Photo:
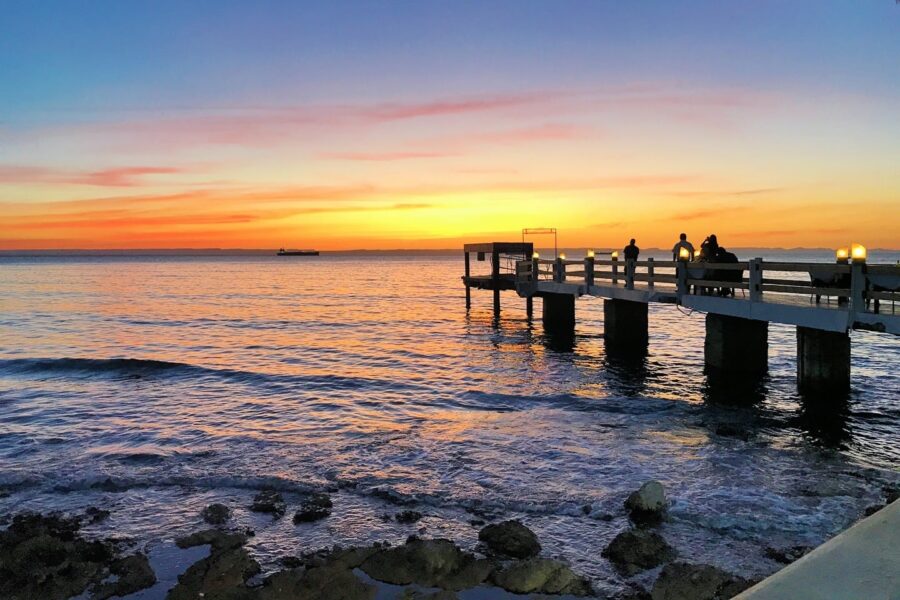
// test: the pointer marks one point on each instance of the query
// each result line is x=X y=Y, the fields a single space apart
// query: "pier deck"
x=824 y=301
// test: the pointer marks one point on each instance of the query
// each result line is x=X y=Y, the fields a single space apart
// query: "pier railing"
x=862 y=287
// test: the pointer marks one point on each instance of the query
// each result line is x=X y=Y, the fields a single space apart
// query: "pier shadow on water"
x=733 y=389
x=626 y=366
x=824 y=416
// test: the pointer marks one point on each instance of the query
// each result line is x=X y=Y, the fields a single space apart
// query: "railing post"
x=681 y=275
x=650 y=272
x=560 y=270
x=615 y=270
x=589 y=270
x=535 y=269
x=756 y=279
x=857 y=288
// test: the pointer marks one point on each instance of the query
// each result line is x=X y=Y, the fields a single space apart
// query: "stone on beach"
x=216 y=514
x=269 y=501
x=510 y=538
x=648 y=504
x=683 y=581
x=541 y=576
x=221 y=575
x=637 y=550
x=430 y=563
x=317 y=506
x=45 y=557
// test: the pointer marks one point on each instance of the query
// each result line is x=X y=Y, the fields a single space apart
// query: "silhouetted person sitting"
x=724 y=256
x=683 y=243
x=631 y=251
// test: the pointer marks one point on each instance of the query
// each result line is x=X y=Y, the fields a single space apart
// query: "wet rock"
x=329 y=582
x=269 y=501
x=871 y=510
x=133 y=573
x=510 y=538
x=647 y=505
x=315 y=507
x=541 y=576
x=409 y=594
x=45 y=557
x=637 y=550
x=94 y=515
x=408 y=516
x=220 y=576
x=786 y=555
x=891 y=494
x=477 y=522
x=392 y=496
x=290 y=562
x=216 y=514
x=683 y=581
x=429 y=563
x=218 y=539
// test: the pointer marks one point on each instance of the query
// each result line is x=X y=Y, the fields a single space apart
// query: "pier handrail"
x=861 y=284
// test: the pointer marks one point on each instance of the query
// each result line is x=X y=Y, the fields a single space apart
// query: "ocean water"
x=152 y=386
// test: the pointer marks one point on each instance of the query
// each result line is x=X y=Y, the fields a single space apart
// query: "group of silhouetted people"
x=710 y=251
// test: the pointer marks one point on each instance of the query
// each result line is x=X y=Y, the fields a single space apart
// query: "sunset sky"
x=420 y=124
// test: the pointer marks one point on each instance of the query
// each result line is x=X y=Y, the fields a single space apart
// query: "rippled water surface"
x=153 y=386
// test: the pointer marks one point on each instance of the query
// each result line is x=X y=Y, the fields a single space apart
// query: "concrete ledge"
x=862 y=563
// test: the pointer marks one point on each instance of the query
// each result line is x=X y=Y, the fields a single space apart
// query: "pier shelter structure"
x=824 y=301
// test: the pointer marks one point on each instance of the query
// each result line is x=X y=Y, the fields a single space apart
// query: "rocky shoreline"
x=48 y=557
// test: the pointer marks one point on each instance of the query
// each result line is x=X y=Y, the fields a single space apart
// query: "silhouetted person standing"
x=683 y=243
x=709 y=248
x=631 y=251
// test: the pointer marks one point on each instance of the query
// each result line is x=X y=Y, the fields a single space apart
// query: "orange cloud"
x=113 y=177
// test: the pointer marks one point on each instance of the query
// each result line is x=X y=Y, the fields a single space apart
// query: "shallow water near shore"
x=153 y=386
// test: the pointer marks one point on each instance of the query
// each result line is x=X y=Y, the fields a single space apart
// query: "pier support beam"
x=529 y=307
x=559 y=311
x=823 y=360
x=625 y=323
x=736 y=345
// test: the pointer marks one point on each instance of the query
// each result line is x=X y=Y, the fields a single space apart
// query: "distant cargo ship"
x=283 y=252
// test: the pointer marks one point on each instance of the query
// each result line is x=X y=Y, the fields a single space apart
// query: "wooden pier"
x=824 y=301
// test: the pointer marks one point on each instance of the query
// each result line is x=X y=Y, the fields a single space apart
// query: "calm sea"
x=152 y=386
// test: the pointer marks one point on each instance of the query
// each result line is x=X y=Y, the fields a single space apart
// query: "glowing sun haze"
x=343 y=125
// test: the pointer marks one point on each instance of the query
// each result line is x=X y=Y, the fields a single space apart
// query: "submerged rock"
x=408 y=516
x=683 y=581
x=786 y=555
x=45 y=557
x=216 y=514
x=317 y=506
x=637 y=550
x=541 y=576
x=95 y=515
x=429 y=563
x=269 y=501
x=648 y=504
x=510 y=538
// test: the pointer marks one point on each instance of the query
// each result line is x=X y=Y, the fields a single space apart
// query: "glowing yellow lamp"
x=590 y=254
x=684 y=253
x=842 y=253
x=696 y=254
x=614 y=255
x=858 y=252
x=536 y=255
x=562 y=256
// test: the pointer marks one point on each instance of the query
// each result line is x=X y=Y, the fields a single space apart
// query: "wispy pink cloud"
x=385 y=156
x=113 y=177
